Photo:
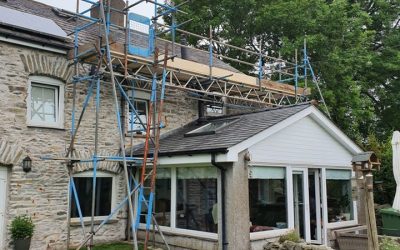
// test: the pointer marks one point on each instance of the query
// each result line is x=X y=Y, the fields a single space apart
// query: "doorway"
x=307 y=204
x=314 y=191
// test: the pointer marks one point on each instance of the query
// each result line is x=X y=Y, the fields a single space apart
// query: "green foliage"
x=292 y=236
x=385 y=188
x=388 y=244
x=21 y=227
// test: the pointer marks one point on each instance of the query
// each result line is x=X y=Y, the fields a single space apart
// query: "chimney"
x=184 y=50
x=116 y=17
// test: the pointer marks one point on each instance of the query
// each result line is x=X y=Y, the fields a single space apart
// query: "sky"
x=145 y=9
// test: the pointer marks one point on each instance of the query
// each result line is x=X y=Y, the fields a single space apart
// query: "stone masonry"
x=43 y=192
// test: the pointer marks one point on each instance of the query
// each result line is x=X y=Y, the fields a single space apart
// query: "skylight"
x=211 y=128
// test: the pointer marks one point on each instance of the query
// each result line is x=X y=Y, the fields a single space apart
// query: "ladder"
x=148 y=173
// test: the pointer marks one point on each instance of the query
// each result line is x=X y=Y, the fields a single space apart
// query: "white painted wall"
x=3 y=199
x=304 y=142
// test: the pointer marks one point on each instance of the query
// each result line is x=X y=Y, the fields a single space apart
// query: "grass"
x=115 y=246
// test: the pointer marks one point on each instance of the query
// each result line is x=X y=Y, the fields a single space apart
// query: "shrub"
x=292 y=236
x=388 y=244
x=21 y=227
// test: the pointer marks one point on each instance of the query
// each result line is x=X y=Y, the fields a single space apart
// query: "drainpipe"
x=223 y=226
x=122 y=115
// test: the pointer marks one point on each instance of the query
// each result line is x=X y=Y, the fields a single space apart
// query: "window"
x=196 y=199
x=163 y=197
x=141 y=107
x=186 y=199
x=104 y=194
x=338 y=188
x=45 y=103
x=211 y=128
x=213 y=109
x=267 y=198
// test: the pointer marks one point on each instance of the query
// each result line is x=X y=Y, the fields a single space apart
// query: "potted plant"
x=21 y=230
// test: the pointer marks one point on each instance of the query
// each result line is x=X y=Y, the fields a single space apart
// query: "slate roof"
x=247 y=125
x=63 y=19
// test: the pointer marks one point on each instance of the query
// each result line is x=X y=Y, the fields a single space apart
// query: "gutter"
x=223 y=208
x=31 y=45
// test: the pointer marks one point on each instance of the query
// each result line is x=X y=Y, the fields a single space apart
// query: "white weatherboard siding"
x=304 y=142
x=3 y=193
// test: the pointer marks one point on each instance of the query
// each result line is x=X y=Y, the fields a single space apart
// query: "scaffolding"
x=115 y=58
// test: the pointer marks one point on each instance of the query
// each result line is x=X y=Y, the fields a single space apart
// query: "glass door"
x=300 y=202
x=315 y=206
x=306 y=209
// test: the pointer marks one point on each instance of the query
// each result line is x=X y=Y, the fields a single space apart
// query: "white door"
x=3 y=198
x=306 y=204
x=301 y=206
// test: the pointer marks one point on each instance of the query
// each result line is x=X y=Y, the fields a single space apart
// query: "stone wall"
x=42 y=193
x=289 y=245
x=181 y=242
x=237 y=204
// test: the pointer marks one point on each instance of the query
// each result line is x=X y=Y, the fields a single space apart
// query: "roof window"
x=211 y=127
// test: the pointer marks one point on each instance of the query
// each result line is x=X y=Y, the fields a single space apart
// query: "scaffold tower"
x=117 y=60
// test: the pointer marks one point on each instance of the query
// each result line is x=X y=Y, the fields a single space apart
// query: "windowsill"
x=341 y=224
x=75 y=222
x=55 y=127
x=269 y=234
x=186 y=232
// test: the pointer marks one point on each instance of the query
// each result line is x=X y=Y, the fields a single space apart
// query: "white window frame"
x=180 y=231
x=289 y=198
x=89 y=174
x=137 y=95
x=331 y=225
x=147 y=114
x=49 y=83
x=289 y=185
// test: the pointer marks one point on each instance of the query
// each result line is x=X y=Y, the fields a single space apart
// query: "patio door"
x=307 y=204
x=314 y=191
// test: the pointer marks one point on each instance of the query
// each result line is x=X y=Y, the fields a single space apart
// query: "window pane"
x=163 y=197
x=103 y=196
x=134 y=120
x=267 y=199
x=196 y=199
x=43 y=103
x=338 y=187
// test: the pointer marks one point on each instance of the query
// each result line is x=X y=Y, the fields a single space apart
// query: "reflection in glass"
x=84 y=187
x=267 y=199
x=338 y=187
x=196 y=199
x=163 y=197
x=43 y=103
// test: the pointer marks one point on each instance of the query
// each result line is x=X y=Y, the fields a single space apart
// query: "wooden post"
x=361 y=199
x=364 y=164
x=373 y=243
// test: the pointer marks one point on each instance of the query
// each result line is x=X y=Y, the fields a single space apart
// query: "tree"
x=353 y=46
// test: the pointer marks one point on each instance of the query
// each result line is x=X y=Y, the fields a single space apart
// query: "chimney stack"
x=116 y=17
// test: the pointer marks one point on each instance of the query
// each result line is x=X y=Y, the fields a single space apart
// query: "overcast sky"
x=145 y=9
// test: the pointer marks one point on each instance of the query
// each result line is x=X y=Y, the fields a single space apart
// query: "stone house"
x=234 y=181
